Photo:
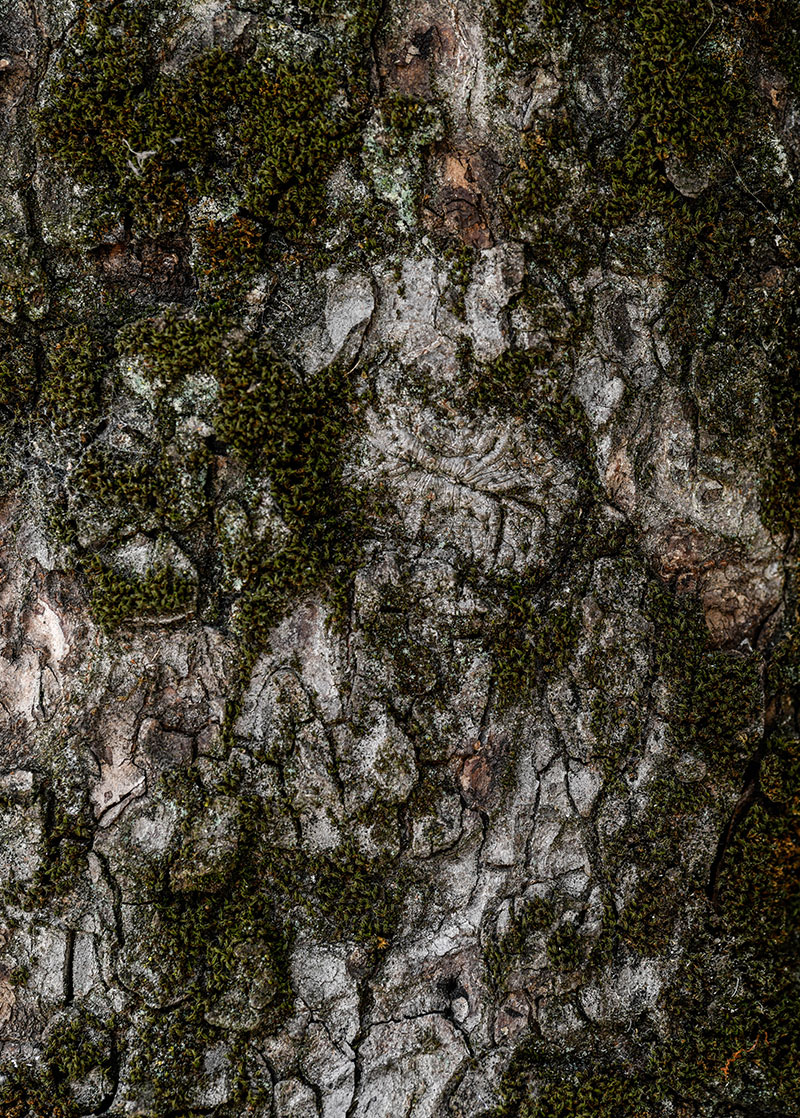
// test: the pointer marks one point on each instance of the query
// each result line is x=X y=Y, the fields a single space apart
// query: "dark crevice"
x=112 y=1071
x=69 y=960
x=750 y=795
x=365 y=1007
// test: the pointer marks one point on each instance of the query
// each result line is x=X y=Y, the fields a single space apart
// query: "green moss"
x=780 y=491
x=535 y=1086
x=357 y=897
x=590 y=1094
x=395 y=632
x=616 y=720
x=502 y=953
x=70 y=393
x=254 y=137
x=565 y=948
x=117 y=598
x=547 y=161
x=59 y=382
x=685 y=88
x=775 y=25
x=19 y=975
x=263 y=132
x=647 y=920
x=154 y=493
x=304 y=431
x=230 y=251
x=360 y=15
x=220 y=943
x=461 y=259
x=69 y=833
x=735 y=988
x=409 y=121
x=692 y=112
x=174 y=345
x=24 y=1094
x=220 y=946
x=760 y=902
x=716 y=694
x=78 y=1045
x=531 y=643
x=514 y=382
x=202 y=934
x=293 y=431
x=505 y=20
x=289 y=437
x=511 y=36
x=550 y=198
x=524 y=383
x=19 y=379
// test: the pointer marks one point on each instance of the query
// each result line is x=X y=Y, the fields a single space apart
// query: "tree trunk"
x=400 y=405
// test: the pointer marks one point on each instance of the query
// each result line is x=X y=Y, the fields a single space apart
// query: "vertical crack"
x=750 y=794
x=365 y=1002
x=69 y=962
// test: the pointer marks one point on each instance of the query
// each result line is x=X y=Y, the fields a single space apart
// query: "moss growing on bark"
x=117 y=598
x=532 y=642
x=70 y=393
x=716 y=694
x=503 y=953
x=536 y=1086
x=265 y=132
x=79 y=1045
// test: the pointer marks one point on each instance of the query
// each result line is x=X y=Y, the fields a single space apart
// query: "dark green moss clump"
x=150 y=144
x=534 y=1086
x=79 y=1044
x=69 y=833
x=717 y=694
x=357 y=897
x=275 y=434
x=504 y=952
x=220 y=942
x=19 y=379
x=117 y=598
x=686 y=90
x=58 y=382
x=531 y=643
x=407 y=118
x=293 y=431
x=564 y=948
x=219 y=948
x=70 y=394
x=299 y=433
x=526 y=383
x=461 y=258
x=780 y=493
x=156 y=492
x=253 y=135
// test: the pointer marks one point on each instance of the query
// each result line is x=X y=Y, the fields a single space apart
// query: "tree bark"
x=399 y=407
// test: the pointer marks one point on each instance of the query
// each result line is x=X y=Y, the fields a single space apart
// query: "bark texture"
x=399 y=412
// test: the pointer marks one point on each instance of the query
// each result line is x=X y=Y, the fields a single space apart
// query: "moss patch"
x=117 y=598
x=262 y=133
x=717 y=695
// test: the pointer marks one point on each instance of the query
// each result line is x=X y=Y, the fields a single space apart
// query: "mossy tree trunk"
x=400 y=405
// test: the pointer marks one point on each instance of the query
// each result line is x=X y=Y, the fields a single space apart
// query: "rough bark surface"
x=398 y=657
